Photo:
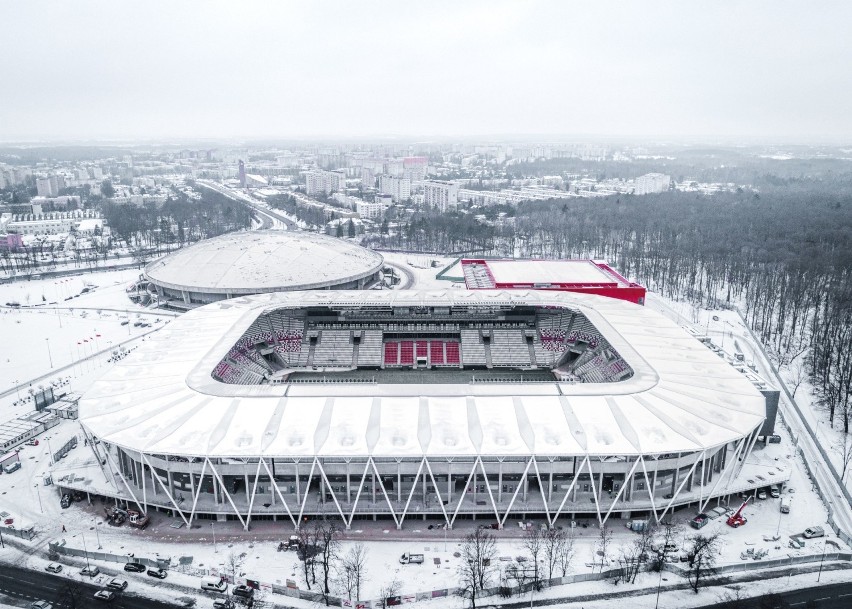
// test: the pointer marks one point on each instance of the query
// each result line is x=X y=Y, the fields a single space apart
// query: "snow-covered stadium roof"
x=162 y=398
x=253 y=262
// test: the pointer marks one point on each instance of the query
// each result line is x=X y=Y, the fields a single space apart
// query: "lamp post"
x=49 y=356
x=85 y=549
x=97 y=534
x=38 y=493
x=212 y=528
x=822 y=560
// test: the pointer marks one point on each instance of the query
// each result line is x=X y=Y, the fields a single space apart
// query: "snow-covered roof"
x=162 y=398
x=264 y=261
x=547 y=271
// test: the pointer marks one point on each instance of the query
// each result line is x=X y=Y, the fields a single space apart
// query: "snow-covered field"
x=23 y=356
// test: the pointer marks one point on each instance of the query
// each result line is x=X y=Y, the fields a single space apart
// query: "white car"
x=53 y=568
x=104 y=595
x=40 y=605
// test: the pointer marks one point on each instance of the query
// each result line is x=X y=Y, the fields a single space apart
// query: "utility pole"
x=50 y=357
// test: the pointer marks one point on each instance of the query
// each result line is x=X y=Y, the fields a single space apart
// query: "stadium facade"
x=259 y=262
x=405 y=405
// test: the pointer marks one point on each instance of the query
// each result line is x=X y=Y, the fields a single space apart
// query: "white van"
x=214 y=584
x=785 y=505
x=12 y=467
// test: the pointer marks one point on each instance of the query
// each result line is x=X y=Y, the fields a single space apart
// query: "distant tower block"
x=242 y=175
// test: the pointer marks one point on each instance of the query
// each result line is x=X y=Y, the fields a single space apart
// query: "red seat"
x=391 y=353
x=452 y=353
x=406 y=353
x=436 y=352
x=422 y=348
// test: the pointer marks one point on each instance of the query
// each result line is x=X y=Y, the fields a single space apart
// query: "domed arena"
x=258 y=262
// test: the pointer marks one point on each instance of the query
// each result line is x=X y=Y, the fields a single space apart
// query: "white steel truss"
x=450 y=502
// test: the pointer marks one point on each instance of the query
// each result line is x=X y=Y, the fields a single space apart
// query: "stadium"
x=405 y=405
x=259 y=262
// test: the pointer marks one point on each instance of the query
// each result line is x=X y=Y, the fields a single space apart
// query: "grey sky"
x=278 y=69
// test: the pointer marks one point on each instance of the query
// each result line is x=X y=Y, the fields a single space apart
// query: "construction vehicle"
x=138 y=520
x=737 y=519
x=115 y=516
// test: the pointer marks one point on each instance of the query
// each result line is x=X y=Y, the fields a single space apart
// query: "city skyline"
x=311 y=71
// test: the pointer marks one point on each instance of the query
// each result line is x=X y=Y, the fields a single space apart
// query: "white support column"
x=384 y=492
x=571 y=487
x=464 y=491
x=127 y=486
x=358 y=494
x=277 y=490
x=411 y=494
x=680 y=487
x=437 y=492
x=168 y=494
x=650 y=488
x=142 y=475
x=333 y=495
x=253 y=493
x=227 y=494
x=515 y=494
x=594 y=486
x=730 y=465
x=541 y=489
x=198 y=491
x=488 y=488
x=305 y=494
x=627 y=480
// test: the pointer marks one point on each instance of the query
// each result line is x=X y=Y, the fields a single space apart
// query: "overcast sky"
x=150 y=69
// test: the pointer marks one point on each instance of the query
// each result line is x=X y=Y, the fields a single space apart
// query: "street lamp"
x=212 y=528
x=50 y=357
x=98 y=534
x=38 y=492
x=822 y=560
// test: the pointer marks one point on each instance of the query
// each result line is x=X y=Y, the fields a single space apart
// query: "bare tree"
x=844 y=448
x=352 y=571
x=703 y=551
x=305 y=552
x=534 y=543
x=566 y=554
x=477 y=554
x=233 y=563
x=328 y=543
x=387 y=591
x=666 y=540
x=553 y=540
x=603 y=544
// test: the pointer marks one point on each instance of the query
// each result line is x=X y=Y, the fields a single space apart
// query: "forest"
x=782 y=255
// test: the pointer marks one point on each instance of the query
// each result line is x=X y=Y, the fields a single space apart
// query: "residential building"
x=442 y=195
x=398 y=188
x=325 y=182
x=652 y=183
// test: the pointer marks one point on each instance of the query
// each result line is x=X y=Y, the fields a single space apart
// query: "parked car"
x=813 y=532
x=53 y=568
x=65 y=501
x=223 y=603
x=12 y=467
x=40 y=605
x=775 y=439
x=158 y=573
x=774 y=491
x=761 y=494
x=90 y=571
x=32 y=442
x=785 y=505
x=104 y=595
x=699 y=521
x=243 y=591
x=117 y=584
x=134 y=567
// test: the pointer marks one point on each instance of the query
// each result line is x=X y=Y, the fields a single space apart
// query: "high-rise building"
x=325 y=182
x=414 y=168
x=442 y=195
x=368 y=177
x=242 y=174
x=46 y=187
x=398 y=188
x=652 y=183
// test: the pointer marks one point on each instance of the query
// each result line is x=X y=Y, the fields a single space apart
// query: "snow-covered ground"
x=24 y=356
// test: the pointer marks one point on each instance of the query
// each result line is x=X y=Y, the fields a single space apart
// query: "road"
x=831 y=596
x=69 y=592
x=243 y=198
